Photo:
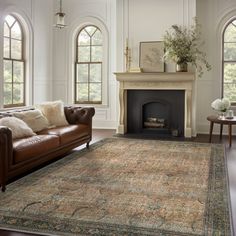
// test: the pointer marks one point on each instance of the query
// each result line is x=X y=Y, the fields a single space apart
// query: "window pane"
x=90 y=30
x=7 y=94
x=84 y=38
x=230 y=51
x=230 y=72
x=95 y=72
x=230 y=33
x=18 y=93
x=95 y=92
x=83 y=54
x=97 y=38
x=10 y=20
x=6 y=48
x=6 y=30
x=18 y=71
x=82 y=73
x=230 y=92
x=16 y=31
x=7 y=65
x=82 y=92
x=96 y=53
x=15 y=49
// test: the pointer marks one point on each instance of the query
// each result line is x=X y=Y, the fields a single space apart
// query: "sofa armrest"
x=5 y=154
x=79 y=115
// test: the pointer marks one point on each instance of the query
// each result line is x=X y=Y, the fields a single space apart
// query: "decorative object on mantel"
x=127 y=54
x=136 y=70
x=182 y=47
x=221 y=106
x=150 y=56
x=60 y=18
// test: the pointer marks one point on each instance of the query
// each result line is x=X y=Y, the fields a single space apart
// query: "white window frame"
x=28 y=52
x=75 y=29
x=226 y=61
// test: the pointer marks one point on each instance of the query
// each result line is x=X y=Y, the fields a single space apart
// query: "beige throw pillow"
x=18 y=127
x=34 y=119
x=54 y=112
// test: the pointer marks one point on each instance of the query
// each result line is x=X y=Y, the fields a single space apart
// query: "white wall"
x=137 y=20
x=213 y=15
x=148 y=20
x=78 y=11
x=38 y=15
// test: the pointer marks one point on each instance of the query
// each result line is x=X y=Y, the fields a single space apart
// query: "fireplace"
x=158 y=82
x=159 y=112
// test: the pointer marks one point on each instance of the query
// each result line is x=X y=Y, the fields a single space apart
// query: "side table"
x=222 y=121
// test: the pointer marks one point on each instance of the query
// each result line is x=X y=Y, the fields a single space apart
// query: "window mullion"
x=12 y=73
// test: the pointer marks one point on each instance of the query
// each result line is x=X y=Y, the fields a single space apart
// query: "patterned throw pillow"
x=18 y=127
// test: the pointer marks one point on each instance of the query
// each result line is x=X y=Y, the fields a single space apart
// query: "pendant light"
x=60 y=18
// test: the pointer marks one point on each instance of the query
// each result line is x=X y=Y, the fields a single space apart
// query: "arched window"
x=229 y=61
x=13 y=63
x=88 y=65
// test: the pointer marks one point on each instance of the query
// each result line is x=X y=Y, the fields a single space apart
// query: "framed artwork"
x=150 y=56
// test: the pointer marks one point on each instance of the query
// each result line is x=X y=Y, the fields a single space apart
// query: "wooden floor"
x=231 y=162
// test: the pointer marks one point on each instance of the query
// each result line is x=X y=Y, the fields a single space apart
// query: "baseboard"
x=204 y=129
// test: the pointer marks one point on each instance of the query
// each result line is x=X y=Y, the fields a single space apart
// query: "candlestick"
x=127 y=54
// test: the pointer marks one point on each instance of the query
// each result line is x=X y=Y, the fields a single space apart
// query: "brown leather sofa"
x=22 y=155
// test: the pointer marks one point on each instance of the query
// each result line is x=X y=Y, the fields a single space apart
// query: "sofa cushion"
x=68 y=133
x=24 y=149
x=18 y=127
x=54 y=112
x=34 y=119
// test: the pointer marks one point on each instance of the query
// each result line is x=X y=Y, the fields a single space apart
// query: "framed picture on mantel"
x=150 y=56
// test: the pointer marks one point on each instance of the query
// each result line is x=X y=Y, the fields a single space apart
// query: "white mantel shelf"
x=158 y=81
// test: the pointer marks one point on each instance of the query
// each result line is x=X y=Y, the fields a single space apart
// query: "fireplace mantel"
x=158 y=81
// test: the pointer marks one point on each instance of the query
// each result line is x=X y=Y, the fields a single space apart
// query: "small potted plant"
x=182 y=46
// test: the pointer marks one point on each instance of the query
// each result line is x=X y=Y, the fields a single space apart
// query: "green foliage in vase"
x=182 y=45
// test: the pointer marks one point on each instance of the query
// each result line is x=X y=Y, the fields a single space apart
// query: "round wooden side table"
x=222 y=121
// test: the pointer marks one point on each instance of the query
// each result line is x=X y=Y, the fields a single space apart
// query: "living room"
x=50 y=47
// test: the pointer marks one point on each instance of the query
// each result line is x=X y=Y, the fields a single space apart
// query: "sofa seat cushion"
x=24 y=149
x=68 y=133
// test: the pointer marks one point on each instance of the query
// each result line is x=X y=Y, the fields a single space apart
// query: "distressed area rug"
x=125 y=187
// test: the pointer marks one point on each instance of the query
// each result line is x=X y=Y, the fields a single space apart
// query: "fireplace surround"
x=167 y=81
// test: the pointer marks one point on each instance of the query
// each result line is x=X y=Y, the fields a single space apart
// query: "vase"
x=221 y=115
x=181 y=67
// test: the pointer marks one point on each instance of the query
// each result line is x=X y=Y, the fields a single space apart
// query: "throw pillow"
x=54 y=112
x=34 y=119
x=18 y=127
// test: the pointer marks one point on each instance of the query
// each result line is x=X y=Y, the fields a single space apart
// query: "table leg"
x=230 y=135
x=221 y=130
x=211 y=129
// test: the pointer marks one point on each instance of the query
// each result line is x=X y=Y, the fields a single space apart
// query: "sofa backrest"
x=9 y=112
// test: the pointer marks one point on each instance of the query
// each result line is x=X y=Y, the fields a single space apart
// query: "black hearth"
x=156 y=112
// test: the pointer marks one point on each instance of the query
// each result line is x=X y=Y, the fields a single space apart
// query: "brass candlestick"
x=127 y=54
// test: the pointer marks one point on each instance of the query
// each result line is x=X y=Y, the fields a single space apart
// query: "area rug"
x=125 y=187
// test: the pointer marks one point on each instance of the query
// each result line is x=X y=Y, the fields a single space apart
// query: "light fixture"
x=60 y=17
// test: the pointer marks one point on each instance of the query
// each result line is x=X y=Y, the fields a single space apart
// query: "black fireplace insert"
x=156 y=112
